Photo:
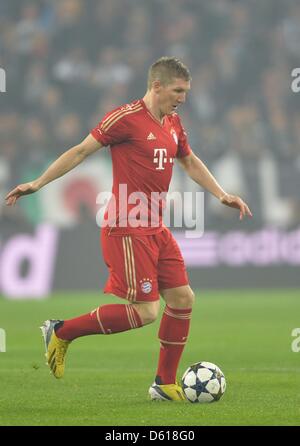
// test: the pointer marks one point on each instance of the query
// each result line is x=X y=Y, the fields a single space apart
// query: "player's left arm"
x=198 y=171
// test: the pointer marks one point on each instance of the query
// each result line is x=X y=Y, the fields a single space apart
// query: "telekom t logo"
x=160 y=157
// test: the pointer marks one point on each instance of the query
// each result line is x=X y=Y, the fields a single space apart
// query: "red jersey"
x=143 y=152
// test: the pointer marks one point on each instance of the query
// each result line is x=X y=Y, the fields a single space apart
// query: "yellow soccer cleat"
x=166 y=392
x=56 y=348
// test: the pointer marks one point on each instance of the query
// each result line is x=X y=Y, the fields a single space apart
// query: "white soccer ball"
x=203 y=382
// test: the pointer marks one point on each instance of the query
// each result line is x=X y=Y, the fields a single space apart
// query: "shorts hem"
x=176 y=285
x=121 y=295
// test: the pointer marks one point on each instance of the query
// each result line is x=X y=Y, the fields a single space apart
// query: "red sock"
x=107 y=319
x=173 y=333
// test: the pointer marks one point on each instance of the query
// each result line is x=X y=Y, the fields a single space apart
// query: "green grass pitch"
x=248 y=334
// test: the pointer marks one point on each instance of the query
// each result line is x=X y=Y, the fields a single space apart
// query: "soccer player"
x=144 y=260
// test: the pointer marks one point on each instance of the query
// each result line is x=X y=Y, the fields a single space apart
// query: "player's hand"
x=19 y=191
x=236 y=202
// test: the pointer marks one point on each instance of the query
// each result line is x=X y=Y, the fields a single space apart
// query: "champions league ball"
x=203 y=382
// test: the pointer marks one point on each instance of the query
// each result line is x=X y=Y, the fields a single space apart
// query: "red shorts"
x=139 y=266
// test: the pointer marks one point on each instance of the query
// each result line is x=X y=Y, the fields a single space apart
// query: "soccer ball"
x=203 y=382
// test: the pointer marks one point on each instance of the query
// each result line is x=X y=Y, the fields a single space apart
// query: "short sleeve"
x=112 y=129
x=184 y=148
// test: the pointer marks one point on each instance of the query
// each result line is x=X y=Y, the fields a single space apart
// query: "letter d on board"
x=40 y=251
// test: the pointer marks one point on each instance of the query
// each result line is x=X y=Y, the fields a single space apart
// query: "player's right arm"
x=66 y=162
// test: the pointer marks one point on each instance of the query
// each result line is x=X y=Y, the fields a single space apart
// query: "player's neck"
x=153 y=107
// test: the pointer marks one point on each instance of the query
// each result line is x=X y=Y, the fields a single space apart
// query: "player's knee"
x=188 y=298
x=184 y=298
x=148 y=312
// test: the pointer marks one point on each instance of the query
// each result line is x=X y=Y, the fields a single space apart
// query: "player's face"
x=172 y=95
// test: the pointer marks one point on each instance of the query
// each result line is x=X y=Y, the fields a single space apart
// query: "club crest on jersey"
x=146 y=285
x=174 y=134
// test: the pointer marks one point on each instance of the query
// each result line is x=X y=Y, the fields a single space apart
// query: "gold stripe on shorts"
x=129 y=268
x=133 y=267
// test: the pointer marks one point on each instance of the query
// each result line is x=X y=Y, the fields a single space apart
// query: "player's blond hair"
x=166 y=69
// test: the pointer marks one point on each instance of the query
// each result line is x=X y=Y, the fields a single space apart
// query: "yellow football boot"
x=56 y=348
x=166 y=392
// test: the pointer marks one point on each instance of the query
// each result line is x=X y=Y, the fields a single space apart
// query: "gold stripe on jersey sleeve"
x=108 y=126
x=115 y=114
x=119 y=111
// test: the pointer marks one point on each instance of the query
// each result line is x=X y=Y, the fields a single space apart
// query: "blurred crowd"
x=68 y=62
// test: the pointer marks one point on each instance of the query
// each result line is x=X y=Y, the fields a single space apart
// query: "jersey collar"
x=161 y=124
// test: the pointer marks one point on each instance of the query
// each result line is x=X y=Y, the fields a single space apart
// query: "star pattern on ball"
x=200 y=386
x=203 y=382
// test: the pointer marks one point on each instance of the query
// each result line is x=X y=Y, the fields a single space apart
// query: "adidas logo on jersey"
x=150 y=137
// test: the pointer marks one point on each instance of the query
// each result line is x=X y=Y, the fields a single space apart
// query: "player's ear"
x=156 y=86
